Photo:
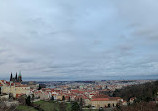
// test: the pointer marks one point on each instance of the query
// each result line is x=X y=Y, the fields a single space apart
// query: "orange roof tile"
x=100 y=99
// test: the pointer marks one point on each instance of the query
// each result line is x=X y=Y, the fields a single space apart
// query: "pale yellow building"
x=105 y=102
x=14 y=88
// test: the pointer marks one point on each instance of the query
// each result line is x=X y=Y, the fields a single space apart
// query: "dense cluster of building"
x=88 y=97
x=14 y=87
x=89 y=93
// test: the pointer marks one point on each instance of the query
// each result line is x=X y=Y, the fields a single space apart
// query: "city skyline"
x=79 y=40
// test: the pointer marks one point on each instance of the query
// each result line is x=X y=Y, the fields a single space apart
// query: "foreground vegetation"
x=146 y=95
x=142 y=106
x=143 y=92
x=25 y=108
x=60 y=106
x=53 y=106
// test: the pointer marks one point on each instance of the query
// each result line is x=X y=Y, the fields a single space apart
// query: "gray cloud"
x=78 y=39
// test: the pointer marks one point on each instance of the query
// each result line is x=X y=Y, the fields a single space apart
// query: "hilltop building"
x=16 y=78
x=14 y=86
x=16 y=89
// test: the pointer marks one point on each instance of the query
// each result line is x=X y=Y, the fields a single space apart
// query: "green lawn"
x=49 y=106
x=96 y=110
x=90 y=110
x=52 y=105
x=25 y=108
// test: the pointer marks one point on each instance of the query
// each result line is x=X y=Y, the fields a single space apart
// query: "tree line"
x=143 y=92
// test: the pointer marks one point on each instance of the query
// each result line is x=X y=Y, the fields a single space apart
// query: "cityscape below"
x=97 y=95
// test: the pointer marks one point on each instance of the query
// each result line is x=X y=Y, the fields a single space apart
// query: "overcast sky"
x=78 y=39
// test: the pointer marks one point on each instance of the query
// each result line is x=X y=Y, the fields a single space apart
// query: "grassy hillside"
x=57 y=106
x=53 y=106
x=142 y=106
x=143 y=92
x=25 y=108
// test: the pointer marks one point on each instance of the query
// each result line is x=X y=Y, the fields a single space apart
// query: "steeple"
x=11 y=77
x=16 y=77
x=19 y=77
x=20 y=73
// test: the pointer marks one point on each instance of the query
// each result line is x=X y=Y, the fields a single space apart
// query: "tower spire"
x=19 y=77
x=11 y=77
x=16 y=77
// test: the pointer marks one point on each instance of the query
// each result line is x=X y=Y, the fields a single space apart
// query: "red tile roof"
x=1 y=84
x=100 y=99
x=100 y=96
x=18 y=95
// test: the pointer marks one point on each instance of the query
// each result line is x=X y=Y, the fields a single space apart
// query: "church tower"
x=19 y=77
x=11 y=77
x=16 y=77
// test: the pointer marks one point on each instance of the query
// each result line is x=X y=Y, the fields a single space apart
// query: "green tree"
x=81 y=104
x=63 y=98
x=69 y=99
x=28 y=100
x=62 y=106
x=22 y=99
x=145 y=92
x=75 y=107
x=101 y=109
x=39 y=88
x=52 y=98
